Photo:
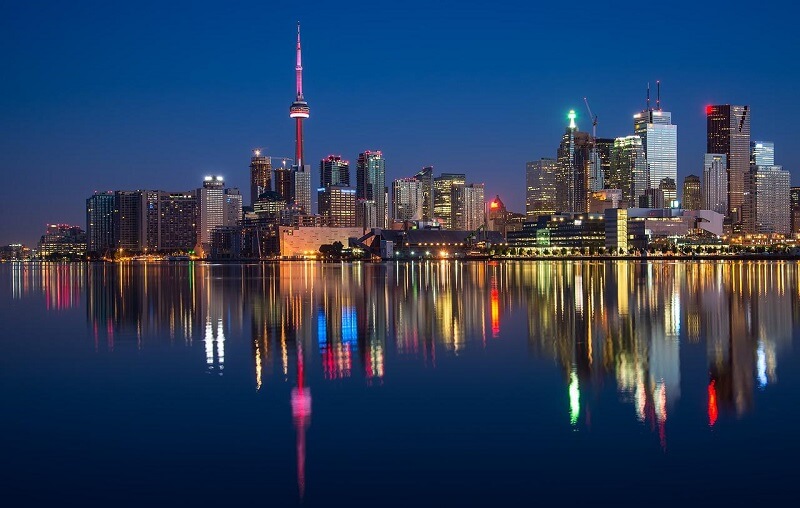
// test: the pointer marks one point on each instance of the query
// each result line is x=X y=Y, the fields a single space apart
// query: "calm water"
x=436 y=383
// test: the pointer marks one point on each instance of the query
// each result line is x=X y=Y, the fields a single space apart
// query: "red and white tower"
x=299 y=108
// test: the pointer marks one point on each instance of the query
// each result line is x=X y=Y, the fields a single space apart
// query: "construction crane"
x=595 y=186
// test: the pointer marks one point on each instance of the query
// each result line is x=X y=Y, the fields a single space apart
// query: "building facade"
x=371 y=182
x=628 y=171
x=715 y=183
x=408 y=199
x=762 y=153
x=446 y=205
x=728 y=133
x=472 y=199
x=769 y=198
x=337 y=206
x=425 y=177
x=211 y=202
x=334 y=171
x=692 y=195
x=660 y=144
x=260 y=175
x=100 y=222
x=540 y=188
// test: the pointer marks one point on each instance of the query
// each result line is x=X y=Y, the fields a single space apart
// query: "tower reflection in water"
x=601 y=322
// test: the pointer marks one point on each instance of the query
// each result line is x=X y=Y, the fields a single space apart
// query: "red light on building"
x=709 y=109
x=494 y=204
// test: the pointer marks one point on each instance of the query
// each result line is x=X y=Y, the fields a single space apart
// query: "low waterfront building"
x=62 y=240
x=302 y=242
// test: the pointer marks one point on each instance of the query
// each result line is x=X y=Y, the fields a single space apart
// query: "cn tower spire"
x=299 y=108
x=299 y=67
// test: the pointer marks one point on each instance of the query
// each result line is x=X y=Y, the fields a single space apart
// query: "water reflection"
x=624 y=325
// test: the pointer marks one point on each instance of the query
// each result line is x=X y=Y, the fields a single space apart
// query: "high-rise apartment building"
x=407 y=199
x=211 y=201
x=260 y=175
x=446 y=205
x=366 y=213
x=628 y=171
x=473 y=204
x=130 y=222
x=425 y=177
x=334 y=171
x=668 y=191
x=692 y=196
x=769 y=198
x=337 y=206
x=371 y=182
x=715 y=183
x=728 y=133
x=762 y=153
x=179 y=217
x=540 y=188
x=100 y=222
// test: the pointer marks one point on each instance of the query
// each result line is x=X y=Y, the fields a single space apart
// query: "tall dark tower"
x=299 y=108
x=260 y=175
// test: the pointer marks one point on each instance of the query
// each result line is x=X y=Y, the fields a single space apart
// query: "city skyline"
x=203 y=115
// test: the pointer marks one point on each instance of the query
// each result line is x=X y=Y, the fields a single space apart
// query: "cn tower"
x=299 y=108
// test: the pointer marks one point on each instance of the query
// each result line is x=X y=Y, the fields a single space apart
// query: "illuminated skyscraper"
x=668 y=191
x=692 y=197
x=301 y=187
x=659 y=141
x=445 y=207
x=762 y=153
x=371 y=183
x=425 y=177
x=211 y=200
x=472 y=200
x=130 y=224
x=407 y=199
x=540 y=188
x=728 y=133
x=574 y=160
x=334 y=171
x=715 y=183
x=628 y=170
x=770 y=200
x=260 y=175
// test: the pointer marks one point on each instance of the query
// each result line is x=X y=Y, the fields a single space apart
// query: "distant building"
x=472 y=200
x=628 y=169
x=425 y=177
x=794 y=201
x=715 y=183
x=269 y=205
x=445 y=201
x=728 y=133
x=211 y=203
x=769 y=198
x=669 y=193
x=762 y=153
x=130 y=221
x=100 y=222
x=659 y=142
x=284 y=184
x=305 y=242
x=233 y=207
x=178 y=220
x=604 y=199
x=337 y=206
x=574 y=157
x=408 y=199
x=371 y=183
x=540 y=188
x=692 y=195
x=334 y=171
x=616 y=227
x=366 y=214
x=260 y=175
x=62 y=240
x=301 y=187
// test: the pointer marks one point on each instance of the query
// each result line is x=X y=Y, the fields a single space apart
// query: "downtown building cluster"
x=621 y=193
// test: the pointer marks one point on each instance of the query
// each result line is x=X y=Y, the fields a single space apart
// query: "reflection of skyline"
x=622 y=326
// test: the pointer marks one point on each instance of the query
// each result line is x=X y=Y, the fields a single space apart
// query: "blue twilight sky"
x=122 y=95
